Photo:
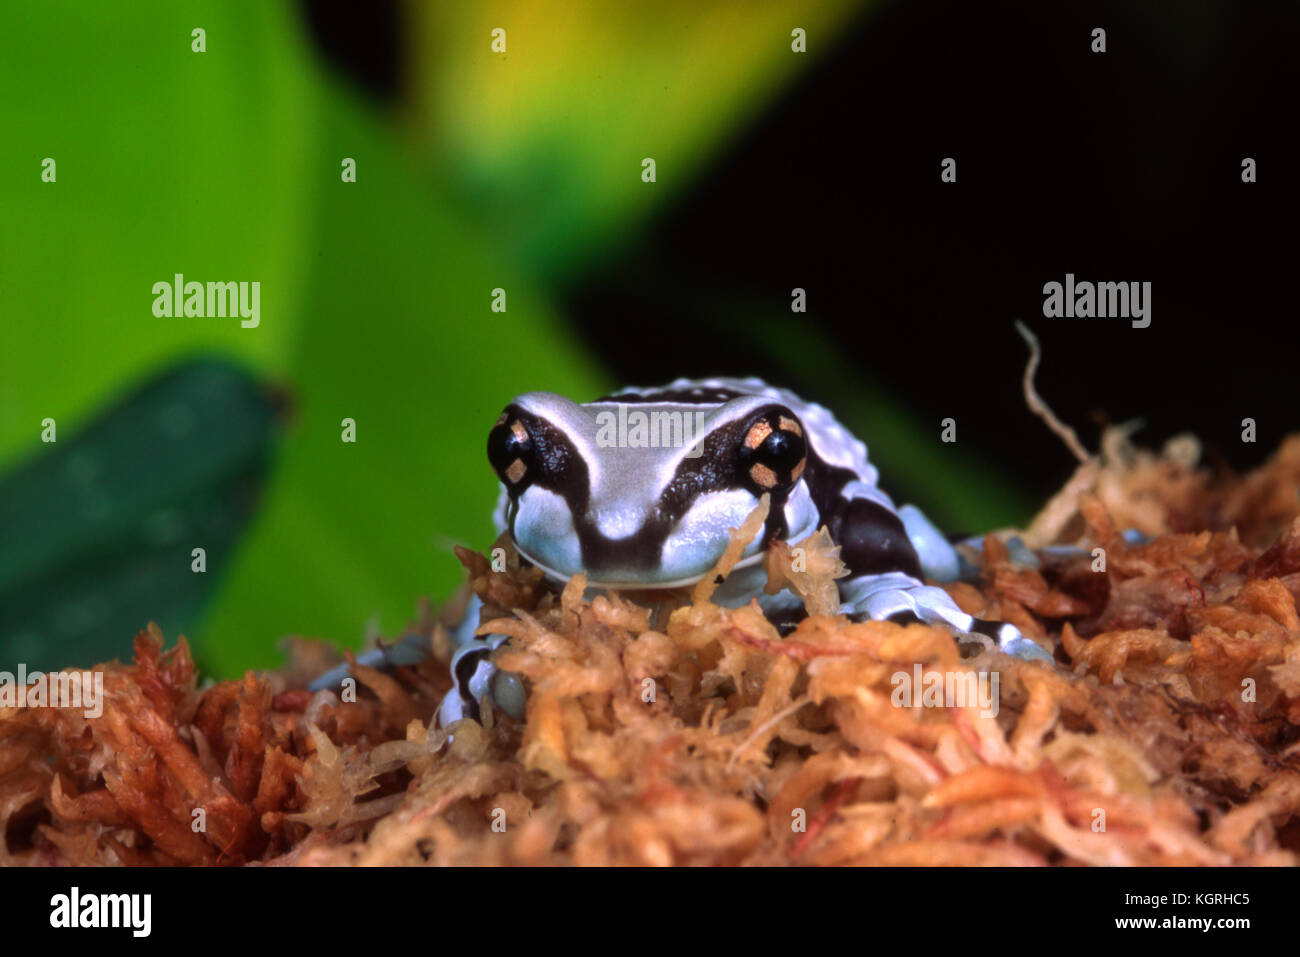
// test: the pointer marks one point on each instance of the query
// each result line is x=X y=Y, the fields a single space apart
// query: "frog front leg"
x=410 y=650
x=885 y=577
x=474 y=676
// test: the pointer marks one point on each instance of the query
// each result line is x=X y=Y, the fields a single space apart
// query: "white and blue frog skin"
x=660 y=517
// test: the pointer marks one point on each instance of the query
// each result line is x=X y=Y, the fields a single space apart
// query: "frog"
x=653 y=506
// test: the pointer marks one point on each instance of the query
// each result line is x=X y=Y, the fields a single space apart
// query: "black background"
x=360 y=909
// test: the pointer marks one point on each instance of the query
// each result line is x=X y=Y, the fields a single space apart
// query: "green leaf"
x=100 y=528
x=547 y=139
x=167 y=161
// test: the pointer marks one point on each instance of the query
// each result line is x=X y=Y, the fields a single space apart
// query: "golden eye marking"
x=518 y=429
x=798 y=470
x=790 y=425
x=758 y=434
x=763 y=476
x=501 y=421
x=516 y=471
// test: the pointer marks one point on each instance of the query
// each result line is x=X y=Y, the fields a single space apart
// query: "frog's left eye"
x=512 y=452
x=773 y=452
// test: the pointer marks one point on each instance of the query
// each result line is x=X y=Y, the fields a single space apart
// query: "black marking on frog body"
x=871 y=537
x=694 y=395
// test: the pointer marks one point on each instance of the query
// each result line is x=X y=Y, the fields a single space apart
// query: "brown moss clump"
x=680 y=732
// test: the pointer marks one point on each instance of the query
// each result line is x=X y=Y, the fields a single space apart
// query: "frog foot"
x=475 y=679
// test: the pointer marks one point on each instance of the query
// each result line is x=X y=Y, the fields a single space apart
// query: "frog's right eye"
x=512 y=452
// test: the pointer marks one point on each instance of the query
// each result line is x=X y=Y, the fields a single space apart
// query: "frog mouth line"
x=748 y=562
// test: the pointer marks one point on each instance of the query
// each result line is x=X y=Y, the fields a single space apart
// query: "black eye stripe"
x=548 y=458
x=697 y=395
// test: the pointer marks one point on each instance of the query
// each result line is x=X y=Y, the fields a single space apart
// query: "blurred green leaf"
x=100 y=527
x=546 y=140
x=167 y=161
